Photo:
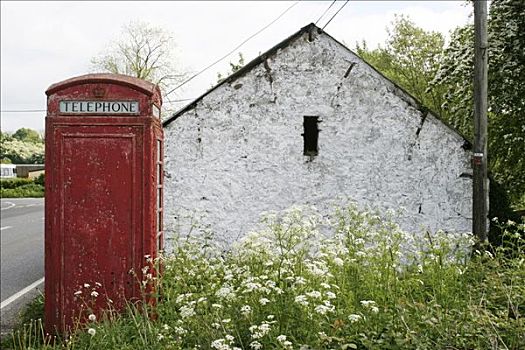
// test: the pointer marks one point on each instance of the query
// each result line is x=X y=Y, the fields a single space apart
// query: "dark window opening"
x=310 y=135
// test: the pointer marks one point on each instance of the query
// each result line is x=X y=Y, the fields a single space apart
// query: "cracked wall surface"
x=239 y=151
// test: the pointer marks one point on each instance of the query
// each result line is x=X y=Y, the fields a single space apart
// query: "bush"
x=22 y=187
x=365 y=285
x=30 y=190
x=40 y=180
x=14 y=182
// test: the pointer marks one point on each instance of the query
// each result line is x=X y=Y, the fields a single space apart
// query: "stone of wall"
x=239 y=152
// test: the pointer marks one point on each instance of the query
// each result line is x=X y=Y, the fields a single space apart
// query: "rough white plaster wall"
x=239 y=153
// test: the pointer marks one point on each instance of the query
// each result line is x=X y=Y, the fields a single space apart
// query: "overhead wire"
x=335 y=14
x=22 y=110
x=324 y=13
x=232 y=51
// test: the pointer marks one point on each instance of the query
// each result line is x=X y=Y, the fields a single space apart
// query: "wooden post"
x=479 y=162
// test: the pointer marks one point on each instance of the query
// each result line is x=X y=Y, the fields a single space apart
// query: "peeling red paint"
x=102 y=180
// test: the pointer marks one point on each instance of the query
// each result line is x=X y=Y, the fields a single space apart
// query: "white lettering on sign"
x=99 y=107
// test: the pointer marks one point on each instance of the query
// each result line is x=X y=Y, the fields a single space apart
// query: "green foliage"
x=28 y=331
x=14 y=182
x=368 y=286
x=25 y=146
x=40 y=180
x=411 y=57
x=22 y=188
x=27 y=135
x=26 y=191
x=506 y=139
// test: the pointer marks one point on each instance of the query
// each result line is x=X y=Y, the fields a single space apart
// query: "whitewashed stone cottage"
x=308 y=122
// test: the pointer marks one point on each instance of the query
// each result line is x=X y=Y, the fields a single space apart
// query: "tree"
x=27 y=135
x=506 y=91
x=25 y=146
x=21 y=152
x=411 y=57
x=144 y=52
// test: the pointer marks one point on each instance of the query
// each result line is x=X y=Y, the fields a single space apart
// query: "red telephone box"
x=103 y=194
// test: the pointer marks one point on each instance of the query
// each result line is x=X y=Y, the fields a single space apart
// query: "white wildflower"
x=251 y=286
x=367 y=303
x=264 y=328
x=219 y=345
x=264 y=301
x=325 y=285
x=374 y=309
x=227 y=320
x=301 y=300
x=314 y=294
x=225 y=292
x=186 y=311
x=78 y=292
x=359 y=241
x=160 y=336
x=92 y=331
x=260 y=331
x=285 y=343
x=255 y=345
x=94 y=294
x=216 y=306
x=330 y=295
x=246 y=310
x=354 y=318
x=323 y=309
x=216 y=325
x=180 y=298
x=300 y=281
x=92 y=317
x=179 y=330
x=230 y=338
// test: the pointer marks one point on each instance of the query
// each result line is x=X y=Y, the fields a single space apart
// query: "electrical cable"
x=23 y=110
x=232 y=51
x=335 y=14
x=324 y=13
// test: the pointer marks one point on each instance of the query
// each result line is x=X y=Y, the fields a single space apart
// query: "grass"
x=27 y=331
x=365 y=285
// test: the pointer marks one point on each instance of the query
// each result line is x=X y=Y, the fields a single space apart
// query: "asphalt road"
x=22 y=244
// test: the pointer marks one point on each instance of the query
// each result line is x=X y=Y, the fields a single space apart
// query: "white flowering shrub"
x=352 y=281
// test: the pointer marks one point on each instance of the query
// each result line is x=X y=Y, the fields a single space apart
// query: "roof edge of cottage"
x=404 y=95
x=407 y=97
x=245 y=69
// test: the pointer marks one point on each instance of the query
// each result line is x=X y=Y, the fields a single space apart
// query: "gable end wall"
x=239 y=151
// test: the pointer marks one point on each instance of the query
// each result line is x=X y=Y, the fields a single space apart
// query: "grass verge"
x=355 y=281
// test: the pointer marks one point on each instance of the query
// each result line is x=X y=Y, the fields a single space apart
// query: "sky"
x=45 y=42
